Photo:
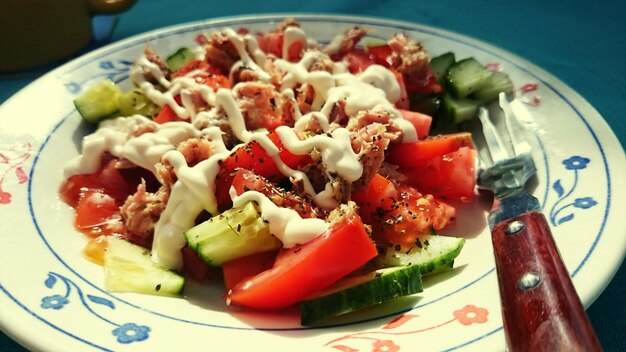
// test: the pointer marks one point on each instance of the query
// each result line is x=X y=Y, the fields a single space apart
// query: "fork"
x=540 y=308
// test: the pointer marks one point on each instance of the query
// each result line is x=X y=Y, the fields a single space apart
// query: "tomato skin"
x=450 y=175
x=306 y=269
x=237 y=270
x=420 y=152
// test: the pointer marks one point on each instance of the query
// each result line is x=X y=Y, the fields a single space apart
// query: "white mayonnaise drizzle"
x=286 y=224
x=117 y=137
x=291 y=36
x=374 y=89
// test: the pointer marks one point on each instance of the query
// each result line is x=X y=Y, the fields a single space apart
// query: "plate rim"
x=528 y=67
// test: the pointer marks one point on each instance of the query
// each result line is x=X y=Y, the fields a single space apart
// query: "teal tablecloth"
x=581 y=42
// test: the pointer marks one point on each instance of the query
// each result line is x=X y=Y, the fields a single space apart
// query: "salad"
x=295 y=172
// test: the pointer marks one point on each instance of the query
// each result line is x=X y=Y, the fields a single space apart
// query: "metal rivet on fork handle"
x=514 y=227
x=528 y=281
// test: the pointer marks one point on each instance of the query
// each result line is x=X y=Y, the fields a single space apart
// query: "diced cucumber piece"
x=441 y=64
x=369 y=42
x=458 y=110
x=98 y=101
x=235 y=233
x=360 y=292
x=179 y=58
x=129 y=268
x=466 y=76
x=436 y=253
x=492 y=86
x=135 y=102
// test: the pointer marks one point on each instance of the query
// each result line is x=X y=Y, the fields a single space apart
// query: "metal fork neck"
x=512 y=203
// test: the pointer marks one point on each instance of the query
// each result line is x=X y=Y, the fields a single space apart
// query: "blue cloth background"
x=582 y=43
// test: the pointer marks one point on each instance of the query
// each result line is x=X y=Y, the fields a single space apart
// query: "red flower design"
x=471 y=314
x=5 y=198
x=384 y=346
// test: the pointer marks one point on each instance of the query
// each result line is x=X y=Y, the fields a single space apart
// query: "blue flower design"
x=576 y=163
x=54 y=302
x=584 y=203
x=73 y=87
x=124 y=333
x=131 y=332
x=106 y=65
x=561 y=212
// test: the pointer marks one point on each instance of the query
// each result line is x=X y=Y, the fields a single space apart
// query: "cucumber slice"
x=437 y=253
x=129 y=268
x=492 y=86
x=458 y=110
x=135 y=102
x=235 y=233
x=466 y=76
x=98 y=101
x=360 y=292
x=441 y=64
x=179 y=58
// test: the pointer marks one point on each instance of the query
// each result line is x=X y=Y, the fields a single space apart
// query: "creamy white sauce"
x=284 y=223
x=374 y=89
x=292 y=35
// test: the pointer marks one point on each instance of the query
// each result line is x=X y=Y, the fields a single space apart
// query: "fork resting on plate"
x=540 y=308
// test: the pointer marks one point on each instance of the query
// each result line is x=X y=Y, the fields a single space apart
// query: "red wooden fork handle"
x=540 y=308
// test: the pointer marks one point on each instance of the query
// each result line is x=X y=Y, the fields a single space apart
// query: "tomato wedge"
x=306 y=269
x=420 y=152
x=237 y=270
x=421 y=122
x=195 y=268
x=358 y=60
x=252 y=156
x=273 y=42
x=203 y=73
x=110 y=180
x=399 y=214
x=449 y=175
x=98 y=214
x=167 y=114
x=246 y=180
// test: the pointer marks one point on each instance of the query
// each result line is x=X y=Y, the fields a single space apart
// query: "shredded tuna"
x=349 y=41
x=218 y=58
x=195 y=150
x=264 y=107
x=408 y=56
x=140 y=213
x=153 y=57
x=370 y=142
x=390 y=171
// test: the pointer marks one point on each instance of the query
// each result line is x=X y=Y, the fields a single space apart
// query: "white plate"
x=51 y=298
